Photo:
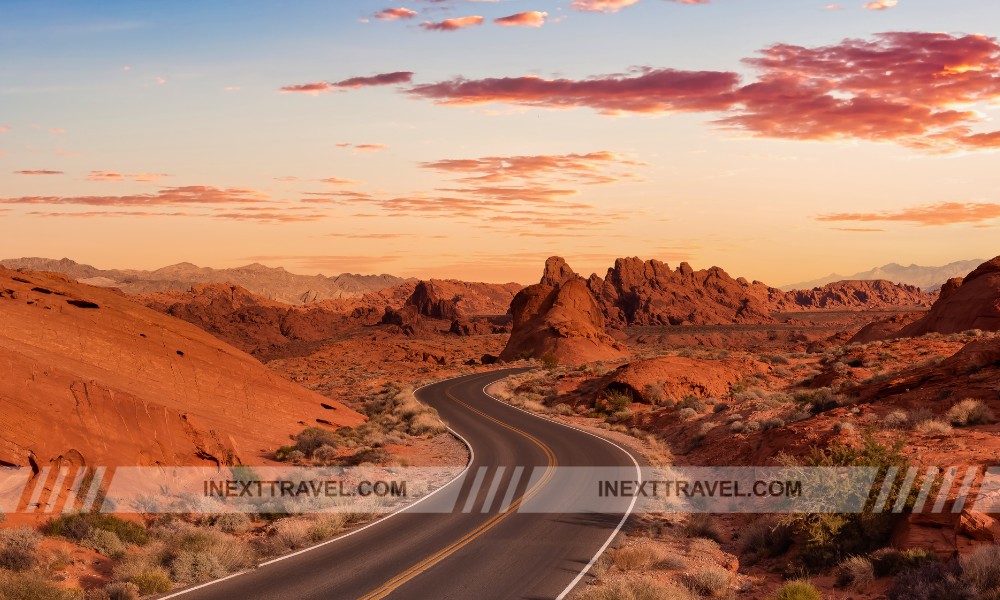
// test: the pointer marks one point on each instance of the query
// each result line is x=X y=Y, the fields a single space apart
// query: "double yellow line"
x=390 y=586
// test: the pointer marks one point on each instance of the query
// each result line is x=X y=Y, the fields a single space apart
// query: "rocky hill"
x=267 y=282
x=560 y=322
x=866 y=295
x=91 y=377
x=963 y=304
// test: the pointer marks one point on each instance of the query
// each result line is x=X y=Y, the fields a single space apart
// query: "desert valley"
x=687 y=367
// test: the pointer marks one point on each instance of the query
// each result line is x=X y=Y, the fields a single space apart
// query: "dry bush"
x=981 y=568
x=969 y=412
x=933 y=427
x=196 y=566
x=713 y=583
x=33 y=585
x=19 y=548
x=797 y=590
x=104 y=542
x=192 y=553
x=233 y=522
x=897 y=419
x=643 y=589
x=634 y=558
x=764 y=538
x=701 y=525
x=856 y=571
x=325 y=455
x=671 y=562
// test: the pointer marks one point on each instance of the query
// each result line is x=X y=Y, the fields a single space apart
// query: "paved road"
x=480 y=554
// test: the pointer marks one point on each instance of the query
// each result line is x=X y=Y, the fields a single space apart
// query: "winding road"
x=476 y=544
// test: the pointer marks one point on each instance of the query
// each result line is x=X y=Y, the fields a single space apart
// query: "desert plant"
x=642 y=589
x=765 y=538
x=152 y=581
x=797 y=590
x=233 y=522
x=634 y=558
x=196 y=567
x=693 y=402
x=121 y=590
x=890 y=561
x=653 y=393
x=325 y=455
x=981 y=568
x=32 y=585
x=931 y=581
x=687 y=414
x=933 y=427
x=701 y=525
x=969 y=412
x=708 y=582
x=104 y=542
x=856 y=571
x=897 y=419
x=19 y=548
x=78 y=526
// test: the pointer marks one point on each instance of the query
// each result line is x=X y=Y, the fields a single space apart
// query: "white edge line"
x=472 y=457
x=628 y=512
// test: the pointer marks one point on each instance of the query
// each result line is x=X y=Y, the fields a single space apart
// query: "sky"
x=781 y=140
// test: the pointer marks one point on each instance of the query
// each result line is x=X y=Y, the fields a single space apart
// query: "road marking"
x=474 y=492
x=628 y=511
x=390 y=586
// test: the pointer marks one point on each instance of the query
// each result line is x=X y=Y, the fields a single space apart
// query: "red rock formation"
x=91 y=377
x=450 y=299
x=562 y=322
x=675 y=377
x=971 y=303
x=858 y=294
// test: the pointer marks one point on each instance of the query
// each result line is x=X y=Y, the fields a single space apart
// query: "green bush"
x=828 y=537
x=78 y=526
x=797 y=590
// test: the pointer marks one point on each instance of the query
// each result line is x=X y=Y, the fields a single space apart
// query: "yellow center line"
x=397 y=581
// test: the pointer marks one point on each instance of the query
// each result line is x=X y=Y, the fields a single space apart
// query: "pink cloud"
x=392 y=14
x=452 y=24
x=192 y=194
x=881 y=4
x=38 y=172
x=604 y=6
x=396 y=77
x=943 y=213
x=113 y=176
x=531 y=18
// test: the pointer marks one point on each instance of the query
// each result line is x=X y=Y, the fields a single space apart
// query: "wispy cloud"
x=113 y=176
x=193 y=194
x=943 y=213
x=38 y=172
x=320 y=87
x=393 y=14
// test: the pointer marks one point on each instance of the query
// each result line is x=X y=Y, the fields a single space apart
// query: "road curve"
x=447 y=552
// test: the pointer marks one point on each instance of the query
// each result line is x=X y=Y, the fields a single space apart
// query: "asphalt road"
x=461 y=550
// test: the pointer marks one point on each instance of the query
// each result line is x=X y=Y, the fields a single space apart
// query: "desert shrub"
x=737 y=426
x=720 y=407
x=325 y=455
x=3 y=517
x=844 y=427
x=78 y=526
x=195 y=567
x=619 y=416
x=33 y=586
x=708 y=582
x=764 y=538
x=312 y=438
x=104 y=542
x=772 y=423
x=981 y=568
x=426 y=423
x=634 y=558
x=797 y=590
x=562 y=409
x=643 y=589
x=121 y=590
x=617 y=400
x=687 y=413
x=775 y=359
x=18 y=548
x=291 y=533
x=323 y=526
x=933 y=427
x=233 y=522
x=890 y=561
x=368 y=456
x=856 y=571
x=897 y=419
x=701 y=525
x=751 y=427
x=819 y=400
x=653 y=393
x=693 y=402
x=672 y=562
x=931 y=581
x=199 y=549
x=832 y=537
x=969 y=412
x=154 y=581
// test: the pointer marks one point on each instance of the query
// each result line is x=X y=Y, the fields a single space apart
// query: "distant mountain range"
x=928 y=279
x=273 y=283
